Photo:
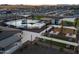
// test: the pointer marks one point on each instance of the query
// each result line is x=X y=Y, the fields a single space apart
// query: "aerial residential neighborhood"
x=43 y=29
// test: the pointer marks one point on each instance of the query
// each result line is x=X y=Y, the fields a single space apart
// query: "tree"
x=76 y=22
x=61 y=30
x=77 y=34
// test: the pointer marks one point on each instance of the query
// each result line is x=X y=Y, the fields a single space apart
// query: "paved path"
x=27 y=35
x=46 y=29
x=60 y=41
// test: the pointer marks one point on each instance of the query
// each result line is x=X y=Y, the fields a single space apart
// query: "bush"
x=38 y=17
x=50 y=42
x=67 y=23
x=53 y=43
x=78 y=23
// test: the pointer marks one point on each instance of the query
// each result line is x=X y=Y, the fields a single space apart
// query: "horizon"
x=39 y=2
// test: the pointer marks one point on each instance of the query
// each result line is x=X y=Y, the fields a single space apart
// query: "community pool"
x=29 y=23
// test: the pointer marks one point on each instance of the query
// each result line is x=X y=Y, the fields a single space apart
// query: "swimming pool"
x=29 y=23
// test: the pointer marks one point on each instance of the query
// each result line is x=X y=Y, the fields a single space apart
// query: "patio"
x=67 y=31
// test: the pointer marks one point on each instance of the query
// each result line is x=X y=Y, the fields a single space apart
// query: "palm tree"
x=76 y=20
x=61 y=30
x=77 y=34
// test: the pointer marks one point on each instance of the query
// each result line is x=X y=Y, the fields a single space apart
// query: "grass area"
x=67 y=23
x=61 y=45
x=62 y=37
x=78 y=23
x=38 y=17
x=53 y=43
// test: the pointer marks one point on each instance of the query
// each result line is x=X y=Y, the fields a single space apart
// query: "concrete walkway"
x=60 y=41
x=46 y=29
x=27 y=35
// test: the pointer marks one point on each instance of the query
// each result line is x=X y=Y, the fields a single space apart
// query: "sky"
x=39 y=2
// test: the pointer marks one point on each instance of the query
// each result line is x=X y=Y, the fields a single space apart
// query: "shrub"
x=67 y=23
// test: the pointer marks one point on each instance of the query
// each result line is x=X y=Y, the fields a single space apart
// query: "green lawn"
x=38 y=17
x=61 y=45
x=78 y=23
x=67 y=23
